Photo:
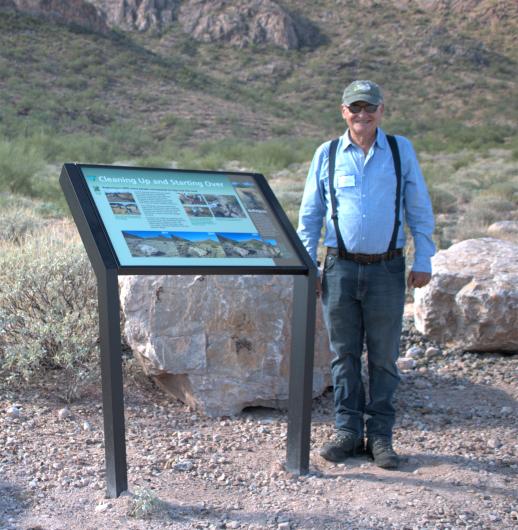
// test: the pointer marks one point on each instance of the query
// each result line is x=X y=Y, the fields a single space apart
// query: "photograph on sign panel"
x=198 y=245
x=197 y=211
x=173 y=244
x=246 y=245
x=122 y=203
x=194 y=199
x=252 y=200
x=224 y=206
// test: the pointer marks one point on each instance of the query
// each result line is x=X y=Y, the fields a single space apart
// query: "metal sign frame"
x=107 y=268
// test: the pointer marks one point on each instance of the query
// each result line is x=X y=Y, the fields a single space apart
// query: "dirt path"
x=457 y=430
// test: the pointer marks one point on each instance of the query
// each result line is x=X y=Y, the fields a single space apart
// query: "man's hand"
x=418 y=279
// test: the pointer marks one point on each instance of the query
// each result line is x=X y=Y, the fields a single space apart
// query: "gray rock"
x=504 y=230
x=432 y=352
x=472 y=300
x=103 y=507
x=414 y=352
x=184 y=465
x=13 y=412
x=405 y=363
x=64 y=413
x=219 y=345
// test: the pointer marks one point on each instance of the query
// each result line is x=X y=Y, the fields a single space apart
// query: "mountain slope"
x=446 y=67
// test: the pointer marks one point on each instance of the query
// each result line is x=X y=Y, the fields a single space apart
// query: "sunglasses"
x=356 y=108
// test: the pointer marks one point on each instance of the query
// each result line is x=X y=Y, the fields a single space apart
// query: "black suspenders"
x=332 y=195
x=397 y=166
x=334 y=210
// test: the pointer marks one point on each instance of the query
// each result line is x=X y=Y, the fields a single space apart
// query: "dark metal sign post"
x=106 y=262
x=301 y=373
x=112 y=387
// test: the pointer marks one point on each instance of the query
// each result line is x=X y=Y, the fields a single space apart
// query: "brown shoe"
x=381 y=450
x=343 y=445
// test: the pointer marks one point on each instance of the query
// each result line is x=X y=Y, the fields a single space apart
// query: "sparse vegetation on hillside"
x=158 y=99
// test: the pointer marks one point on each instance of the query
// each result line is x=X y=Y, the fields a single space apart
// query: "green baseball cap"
x=362 y=90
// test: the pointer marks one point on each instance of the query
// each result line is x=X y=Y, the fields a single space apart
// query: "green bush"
x=48 y=310
x=443 y=201
x=480 y=213
x=18 y=222
x=146 y=505
x=19 y=161
x=265 y=157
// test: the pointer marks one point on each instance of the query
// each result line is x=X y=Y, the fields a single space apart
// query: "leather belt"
x=365 y=259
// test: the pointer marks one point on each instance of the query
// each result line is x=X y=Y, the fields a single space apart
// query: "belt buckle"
x=364 y=259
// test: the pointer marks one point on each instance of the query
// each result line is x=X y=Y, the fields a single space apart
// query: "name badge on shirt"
x=345 y=181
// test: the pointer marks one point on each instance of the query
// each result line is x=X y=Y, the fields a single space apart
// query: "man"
x=363 y=279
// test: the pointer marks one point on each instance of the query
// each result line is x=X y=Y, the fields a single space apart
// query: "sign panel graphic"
x=179 y=218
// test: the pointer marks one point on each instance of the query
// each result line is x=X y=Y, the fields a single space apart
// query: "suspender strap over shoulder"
x=397 y=166
x=332 y=195
x=334 y=210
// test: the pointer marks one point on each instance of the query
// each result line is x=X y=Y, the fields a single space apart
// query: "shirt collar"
x=381 y=139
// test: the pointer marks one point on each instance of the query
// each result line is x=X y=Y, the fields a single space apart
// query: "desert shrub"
x=145 y=505
x=153 y=161
x=17 y=222
x=503 y=190
x=18 y=163
x=480 y=213
x=265 y=157
x=48 y=309
x=443 y=201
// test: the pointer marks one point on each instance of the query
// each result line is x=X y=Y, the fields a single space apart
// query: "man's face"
x=362 y=123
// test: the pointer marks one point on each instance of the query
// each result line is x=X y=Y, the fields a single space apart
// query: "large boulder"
x=218 y=343
x=472 y=300
x=504 y=230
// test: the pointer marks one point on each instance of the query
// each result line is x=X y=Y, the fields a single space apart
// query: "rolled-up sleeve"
x=312 y=208
x=418 y=209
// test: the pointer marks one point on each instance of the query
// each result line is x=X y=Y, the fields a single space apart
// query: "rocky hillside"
x=240 y=23
x=256 y=69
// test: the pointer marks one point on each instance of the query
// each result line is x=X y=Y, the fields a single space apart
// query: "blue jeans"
x=364 y=302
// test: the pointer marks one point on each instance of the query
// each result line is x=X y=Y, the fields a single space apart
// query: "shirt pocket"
x=345 y=180
x=347 y=185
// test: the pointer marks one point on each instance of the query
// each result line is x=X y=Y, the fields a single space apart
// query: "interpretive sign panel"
x=165 y=221
x=173 y=218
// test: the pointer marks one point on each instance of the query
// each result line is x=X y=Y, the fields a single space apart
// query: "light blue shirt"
x=366 y=196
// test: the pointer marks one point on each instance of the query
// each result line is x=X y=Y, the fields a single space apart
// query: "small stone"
x=64 y=413
x=414 y=352
x=506 y=411
x=406 y=364
x=285 y=525
x=100 y=508
x=13 y=412
x=493 y=443
x=432 y=351
x=184 y=465
x=87 y=426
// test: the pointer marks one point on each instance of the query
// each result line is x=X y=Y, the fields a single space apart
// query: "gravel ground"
x=457 y=432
